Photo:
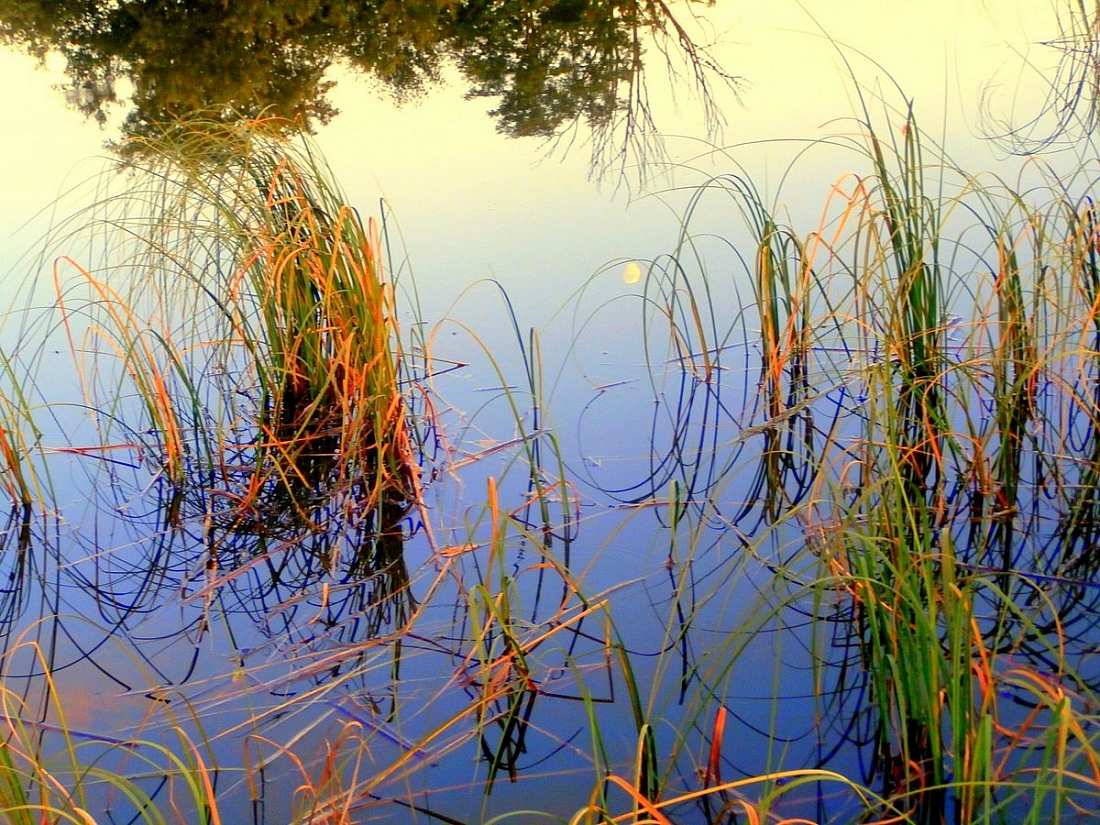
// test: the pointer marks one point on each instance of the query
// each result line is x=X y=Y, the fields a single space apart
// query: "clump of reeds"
x=924 y=427
x=233 y=327
x=248 y=307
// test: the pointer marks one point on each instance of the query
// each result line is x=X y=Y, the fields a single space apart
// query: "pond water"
x=614 y=570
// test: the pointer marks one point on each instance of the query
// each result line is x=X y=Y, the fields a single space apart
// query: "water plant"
x=930 y=341
x=251 y=314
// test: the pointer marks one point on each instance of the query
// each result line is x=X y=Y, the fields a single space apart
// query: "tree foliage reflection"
x=549 y=64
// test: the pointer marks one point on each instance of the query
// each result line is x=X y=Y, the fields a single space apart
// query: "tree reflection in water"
x=550 y=64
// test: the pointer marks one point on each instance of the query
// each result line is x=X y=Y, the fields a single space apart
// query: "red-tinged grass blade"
x=713 y=775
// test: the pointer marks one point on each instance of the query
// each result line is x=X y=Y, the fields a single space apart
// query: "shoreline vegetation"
x=871 y=509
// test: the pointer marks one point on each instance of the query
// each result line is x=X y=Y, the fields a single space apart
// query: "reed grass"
x=908 y=428
x=896 y=502
x=925 y=522
x=250 y=313
x=24 y=479
x=233 y=329
x=52 y=772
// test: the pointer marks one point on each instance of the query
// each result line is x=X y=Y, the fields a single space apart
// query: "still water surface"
x=473 y=207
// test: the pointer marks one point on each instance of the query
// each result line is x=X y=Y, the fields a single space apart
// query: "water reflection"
x=549 y=65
